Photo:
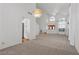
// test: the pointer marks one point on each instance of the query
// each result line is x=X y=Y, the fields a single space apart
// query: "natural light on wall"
x=37 y=13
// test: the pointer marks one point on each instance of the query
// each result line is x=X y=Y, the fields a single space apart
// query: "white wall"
x=72 y=24
x=34 y=29
x=75 y=25
x=0 y=23
x=11 y=16
x=42 y=22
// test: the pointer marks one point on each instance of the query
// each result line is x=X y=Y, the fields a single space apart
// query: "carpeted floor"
x=45 y=44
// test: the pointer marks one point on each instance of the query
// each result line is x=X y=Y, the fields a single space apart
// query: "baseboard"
x=8 y=45
x=76 y=47
x=71 y=44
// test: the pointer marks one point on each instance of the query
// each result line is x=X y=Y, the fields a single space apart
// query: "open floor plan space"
x=44 y=44
x=39 y=29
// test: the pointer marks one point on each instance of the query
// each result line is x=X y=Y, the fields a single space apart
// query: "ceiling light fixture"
x=37 y=13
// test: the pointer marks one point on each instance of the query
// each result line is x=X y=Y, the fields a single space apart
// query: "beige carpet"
x=45 y=44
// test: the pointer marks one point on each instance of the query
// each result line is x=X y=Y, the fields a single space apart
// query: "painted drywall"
x=77 y=28
x=72 y=24
x=74 y=29
x=11 y=16
x=0 y=23
x=34 y=29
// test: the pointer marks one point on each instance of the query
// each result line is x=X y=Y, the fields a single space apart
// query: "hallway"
x=45 y=44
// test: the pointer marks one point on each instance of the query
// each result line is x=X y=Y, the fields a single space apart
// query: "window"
x=52 y=18
x=62 y=24
x=51 y=23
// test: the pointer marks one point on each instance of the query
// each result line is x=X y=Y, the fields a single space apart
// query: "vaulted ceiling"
x=55 y=9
